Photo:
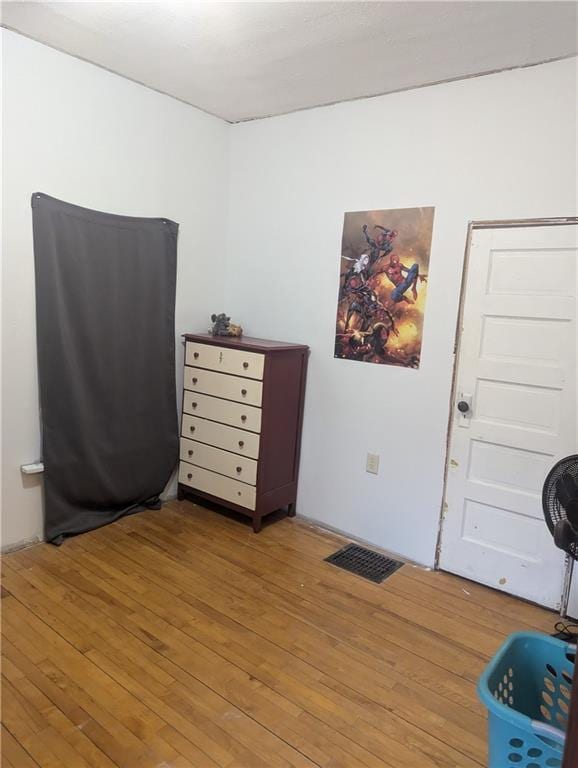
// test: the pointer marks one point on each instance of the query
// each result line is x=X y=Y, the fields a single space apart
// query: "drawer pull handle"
x=190 y=475
x=243 y=418
x=243 y=392
x=245 y=365
x=195 y=355
x=191 y=453
x=241 y=443
x=239 y=469
x=195 y=379
x=192 y=429
x=194 y=405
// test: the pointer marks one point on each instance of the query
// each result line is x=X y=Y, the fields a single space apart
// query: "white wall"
x=84 y=135
x=502 y=146
x=494 y=147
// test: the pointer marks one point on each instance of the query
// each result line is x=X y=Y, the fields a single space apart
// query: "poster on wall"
x=383 y=285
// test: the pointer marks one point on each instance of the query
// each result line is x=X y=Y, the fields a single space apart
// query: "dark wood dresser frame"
x=282 y=405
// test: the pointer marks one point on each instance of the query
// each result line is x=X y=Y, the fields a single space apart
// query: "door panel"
x=516 y=404
x=517 y=370
x=529 y=340
x=506 y=468
x=496 y=530
x=521 y=272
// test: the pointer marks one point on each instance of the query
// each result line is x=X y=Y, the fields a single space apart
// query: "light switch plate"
x=372 y=465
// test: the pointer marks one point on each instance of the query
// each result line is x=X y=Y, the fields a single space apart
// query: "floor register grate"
x=363 y=562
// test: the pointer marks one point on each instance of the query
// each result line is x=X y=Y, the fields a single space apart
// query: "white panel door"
x=516 y=376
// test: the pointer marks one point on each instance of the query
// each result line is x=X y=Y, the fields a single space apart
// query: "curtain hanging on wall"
x=105 y=306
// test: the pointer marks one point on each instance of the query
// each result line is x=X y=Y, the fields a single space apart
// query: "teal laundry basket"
x=526 y=688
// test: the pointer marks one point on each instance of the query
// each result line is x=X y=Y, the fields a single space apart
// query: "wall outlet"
x=372 y=464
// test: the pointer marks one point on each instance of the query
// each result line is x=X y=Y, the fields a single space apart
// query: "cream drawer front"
x=235 y=414
x=222 y=385
x=217 y=485
x=215 y=459
x=224 y=360
x=221 y=436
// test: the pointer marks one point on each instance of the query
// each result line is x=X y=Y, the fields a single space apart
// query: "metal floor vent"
x=363 y=562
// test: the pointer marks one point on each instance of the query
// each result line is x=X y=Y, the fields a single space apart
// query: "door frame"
x=472 y=226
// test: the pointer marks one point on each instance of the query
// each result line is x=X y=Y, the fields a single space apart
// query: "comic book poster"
x=383 y=286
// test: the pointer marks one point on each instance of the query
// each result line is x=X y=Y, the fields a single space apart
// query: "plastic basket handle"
x=548 y=732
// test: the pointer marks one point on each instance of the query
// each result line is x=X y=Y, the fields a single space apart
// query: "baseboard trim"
x=357 y=540
x=24 y=544
x=33 y=540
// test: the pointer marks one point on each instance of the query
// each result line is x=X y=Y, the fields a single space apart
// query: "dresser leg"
x=180 y=493
x=256 y=524
x=291 y=511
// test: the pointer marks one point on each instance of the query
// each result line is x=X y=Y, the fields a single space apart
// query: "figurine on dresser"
x=222 y=326
x=241 y=424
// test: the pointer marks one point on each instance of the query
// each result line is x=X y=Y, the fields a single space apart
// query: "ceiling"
x=244 y=60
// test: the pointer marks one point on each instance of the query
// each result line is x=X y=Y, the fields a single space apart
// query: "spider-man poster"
x=383 y=285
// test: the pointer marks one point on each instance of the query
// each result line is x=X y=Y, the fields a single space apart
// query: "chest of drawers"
x=241 y=423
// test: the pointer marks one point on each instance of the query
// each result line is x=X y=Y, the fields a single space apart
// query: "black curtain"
x=105 y=307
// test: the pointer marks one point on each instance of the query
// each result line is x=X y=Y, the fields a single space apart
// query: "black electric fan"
x=560 y=506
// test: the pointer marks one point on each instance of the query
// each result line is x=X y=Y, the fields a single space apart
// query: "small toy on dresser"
x=222 y=326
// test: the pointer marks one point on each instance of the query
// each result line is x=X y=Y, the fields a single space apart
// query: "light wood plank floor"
x=180 y=639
